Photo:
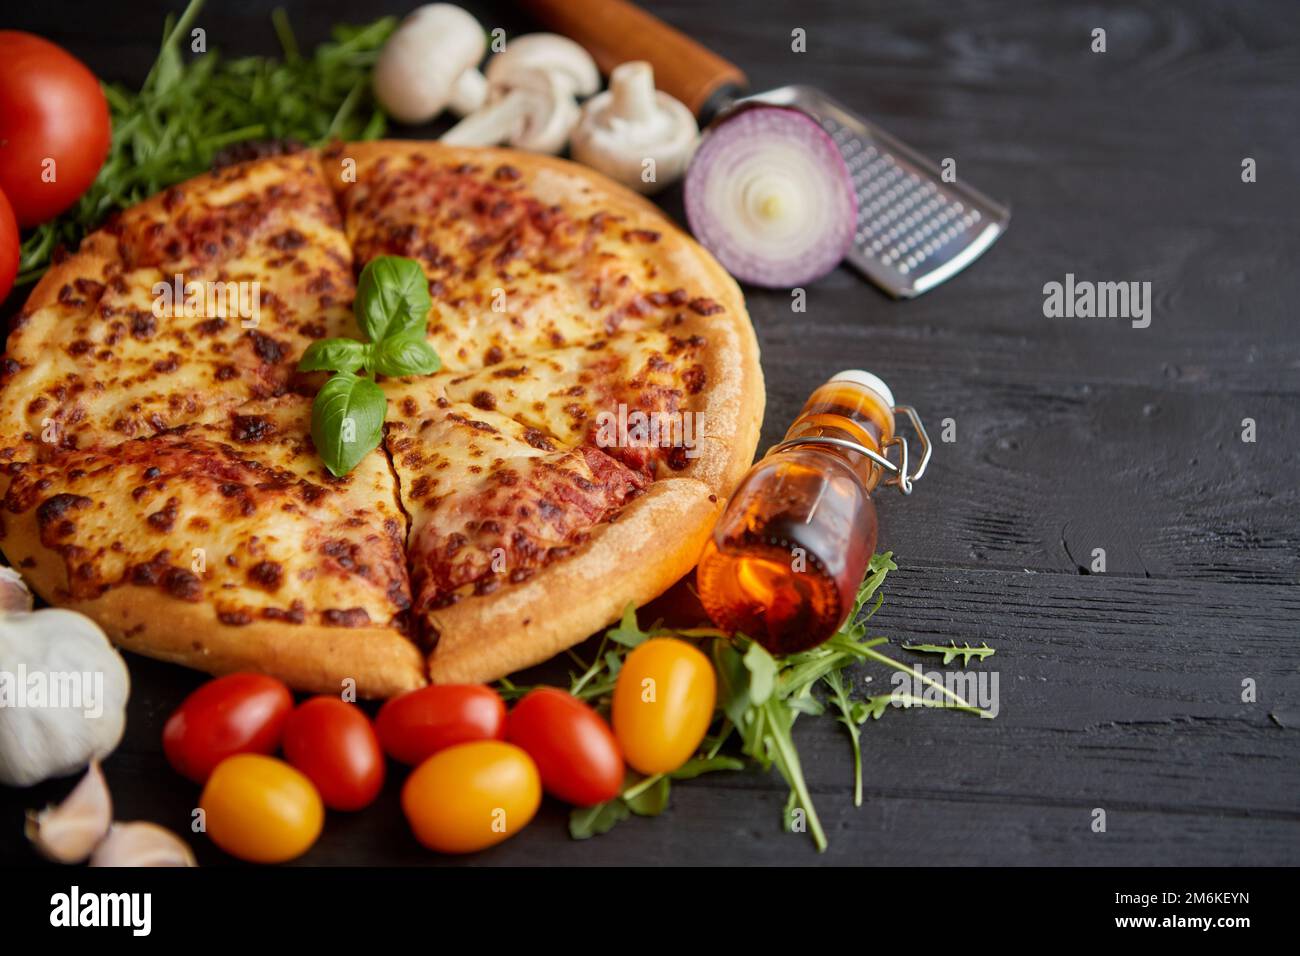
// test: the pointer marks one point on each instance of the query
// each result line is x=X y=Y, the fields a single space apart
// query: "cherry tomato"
x=239 y=713
x=9 y=247
x=422 y=722
x=260 y=809
x=333 y=743
x=471 y=796
x=663 y=703
x=574 y=749
x=54 y=127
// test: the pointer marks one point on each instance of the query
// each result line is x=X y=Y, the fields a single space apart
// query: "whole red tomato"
x=54 y=127
x=420 y=723
x=8 y=247
x=574 y=749
x=236 y=714
x=333 y=743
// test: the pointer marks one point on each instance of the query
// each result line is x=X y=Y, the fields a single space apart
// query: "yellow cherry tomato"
x=260 y=809
x=471 y=796
x=663 y=703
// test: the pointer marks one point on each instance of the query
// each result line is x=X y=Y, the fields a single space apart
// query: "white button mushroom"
x=637 y=136
x=531 y=88
x=429 y=63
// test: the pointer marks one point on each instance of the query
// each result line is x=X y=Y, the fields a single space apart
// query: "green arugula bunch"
x=391 y=308
x=188 y=111
x=759 y=699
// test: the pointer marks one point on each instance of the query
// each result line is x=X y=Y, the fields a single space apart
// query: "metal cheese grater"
x=914 y=230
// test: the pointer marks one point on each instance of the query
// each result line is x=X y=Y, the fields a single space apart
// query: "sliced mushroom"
x=534 y=110
x=639 y=137
x=430 y=62
x=142 y=844
x=67 y=833
x=550 y=53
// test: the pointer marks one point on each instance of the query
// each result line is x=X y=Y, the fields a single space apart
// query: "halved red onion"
x=770 y=195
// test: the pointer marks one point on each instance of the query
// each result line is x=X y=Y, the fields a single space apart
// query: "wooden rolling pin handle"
x=615 y=31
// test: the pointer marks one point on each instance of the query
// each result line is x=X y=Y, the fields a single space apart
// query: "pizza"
x=599 y=398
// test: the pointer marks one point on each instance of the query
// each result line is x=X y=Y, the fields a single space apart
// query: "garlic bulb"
x=63 y=689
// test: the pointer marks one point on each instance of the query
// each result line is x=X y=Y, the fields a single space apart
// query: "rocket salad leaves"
x=759 y=699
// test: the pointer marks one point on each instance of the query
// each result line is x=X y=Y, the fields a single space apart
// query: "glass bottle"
x=784 y=563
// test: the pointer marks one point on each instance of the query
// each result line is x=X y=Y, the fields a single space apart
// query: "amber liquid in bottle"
x=785 y=560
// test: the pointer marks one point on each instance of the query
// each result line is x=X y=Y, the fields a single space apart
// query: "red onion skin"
x=758 y=121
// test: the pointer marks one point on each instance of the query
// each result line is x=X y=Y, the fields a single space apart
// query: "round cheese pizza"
x=600 y=395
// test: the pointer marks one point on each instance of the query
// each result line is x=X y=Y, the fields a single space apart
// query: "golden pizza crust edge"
x=653 y=543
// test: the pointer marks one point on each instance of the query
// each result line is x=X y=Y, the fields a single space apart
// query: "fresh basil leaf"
x=333 y=355
x=347 y=421
x=587 y=822
x=392 y=297
x=406 y=353
x=652 y=801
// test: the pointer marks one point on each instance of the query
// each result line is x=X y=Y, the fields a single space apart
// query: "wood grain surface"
x=1121 y=690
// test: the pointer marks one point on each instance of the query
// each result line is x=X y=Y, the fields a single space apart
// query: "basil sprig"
x=392 y=309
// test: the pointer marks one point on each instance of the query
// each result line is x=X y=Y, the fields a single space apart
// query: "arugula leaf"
x=951 y=651
x=334 y=355
x=651 y=799
x=406 y=353
x=392 y=297
x=628 y=632
x=587 y=822
x=347 y=421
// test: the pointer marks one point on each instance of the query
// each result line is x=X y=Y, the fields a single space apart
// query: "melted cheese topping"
x=205 y=296
x=236 y=511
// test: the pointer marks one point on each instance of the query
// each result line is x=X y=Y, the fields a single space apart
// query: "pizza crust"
x=653 y=542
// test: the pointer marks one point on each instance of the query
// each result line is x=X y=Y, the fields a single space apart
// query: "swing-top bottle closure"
x=901 y=473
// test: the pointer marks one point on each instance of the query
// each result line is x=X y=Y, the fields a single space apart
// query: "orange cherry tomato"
x=663 y=704
x=422 y=722
x=239 y=713
x=260 y=809
x=471 y=796
x=574 y=749
x=333 y=743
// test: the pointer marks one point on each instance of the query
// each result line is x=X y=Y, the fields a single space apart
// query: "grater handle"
x=615 y=31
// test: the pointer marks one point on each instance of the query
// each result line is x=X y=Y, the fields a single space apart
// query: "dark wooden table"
x=1120 y=690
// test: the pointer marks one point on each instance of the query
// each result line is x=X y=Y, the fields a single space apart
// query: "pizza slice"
x=507 y=521
x=226 y=545
x=521 y=256
x=203 y=296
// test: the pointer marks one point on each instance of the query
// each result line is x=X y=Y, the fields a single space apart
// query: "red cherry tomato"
x=236 y=714
x=420 y=723
x=9 y=247
x=574 y=749
x=54 y=127
x=334 y=744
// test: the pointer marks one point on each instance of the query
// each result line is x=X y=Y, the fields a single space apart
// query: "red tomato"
x=574 y=749
x=8 y=247
x=334 y=745
x=54 y=127
x=420 y=723
x=237 y=714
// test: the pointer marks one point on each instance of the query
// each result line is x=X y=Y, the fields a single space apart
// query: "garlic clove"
x=142 y=844
x=67 y=833
x=14 y=596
